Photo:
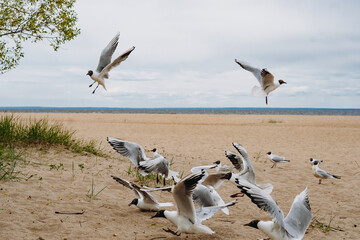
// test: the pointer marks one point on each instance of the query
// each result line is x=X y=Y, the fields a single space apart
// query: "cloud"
x=185 y=53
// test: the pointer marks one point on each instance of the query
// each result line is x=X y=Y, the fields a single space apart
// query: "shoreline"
x=212 y=111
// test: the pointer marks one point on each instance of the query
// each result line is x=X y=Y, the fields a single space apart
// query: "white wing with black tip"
x=183 y=195
x=255 y=71
x=133 y=151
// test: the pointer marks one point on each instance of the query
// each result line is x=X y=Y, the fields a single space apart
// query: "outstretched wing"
x=206 y=167
x=255 y=71
x=236 y=160
x=205 y=213
x=116 y=62
x=248 y=170
x=140 y=193
x=262 y=199
x=127 y=184
x=299 y=217
x=216 y=179
x=133 y=151
x=106 y=54
x=183 y=195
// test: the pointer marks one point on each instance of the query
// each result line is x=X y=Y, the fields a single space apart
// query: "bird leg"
x=237 y=195
x=274 y=165
x=164 y=181
x=172 y=232
x=266 y=100
x=92 y=84
x=157 y=178
x=95 y=89
x=320 y=181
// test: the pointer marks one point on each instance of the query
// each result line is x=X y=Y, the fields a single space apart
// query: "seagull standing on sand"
x=292 y=227
x=265 y=78
x=143 y=200
x=319 y=173
x=314 y=160
x=105 y=64
x=186 y=218
x=276 y=159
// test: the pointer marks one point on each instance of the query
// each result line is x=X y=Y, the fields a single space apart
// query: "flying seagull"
x=186 y=218
x=143 y=200
x=105 y=64
x=133 y=151
x=265 y=78
x=319 y=173
x=292 y=227
x=276 y=159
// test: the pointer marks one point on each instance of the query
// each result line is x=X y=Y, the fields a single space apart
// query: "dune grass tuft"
x=14 y=132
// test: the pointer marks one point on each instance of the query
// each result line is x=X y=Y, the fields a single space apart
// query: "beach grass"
x=148 y=179
x=92 y=195
x=9 y=158
x=17 y=133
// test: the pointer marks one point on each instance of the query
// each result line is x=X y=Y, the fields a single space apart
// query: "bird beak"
x=130 y=204
x=247 y=224
x=87 y=74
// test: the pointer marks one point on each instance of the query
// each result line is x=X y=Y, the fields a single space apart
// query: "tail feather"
x=257 y=91
x=337 y=177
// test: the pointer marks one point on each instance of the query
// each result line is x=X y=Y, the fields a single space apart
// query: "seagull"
x=105 y=64
x=133 y=151
x=205 y=167
x=246 y=171
x=214 y=180
x=276 y=159
x=207 y=196
x=155 y=153
x=143 y=200
x=159 y=165
x=204 y=194
x=186 y=218
x=319 y=173
x=314 y=160
x=265 y=78
x=292 y=227
x=136 y=154
x=171 y=174
x=223 y=168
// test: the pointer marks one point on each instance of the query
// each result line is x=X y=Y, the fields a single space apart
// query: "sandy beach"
x=27 y=208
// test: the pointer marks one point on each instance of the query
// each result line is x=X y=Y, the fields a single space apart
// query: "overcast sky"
x=185 y=51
